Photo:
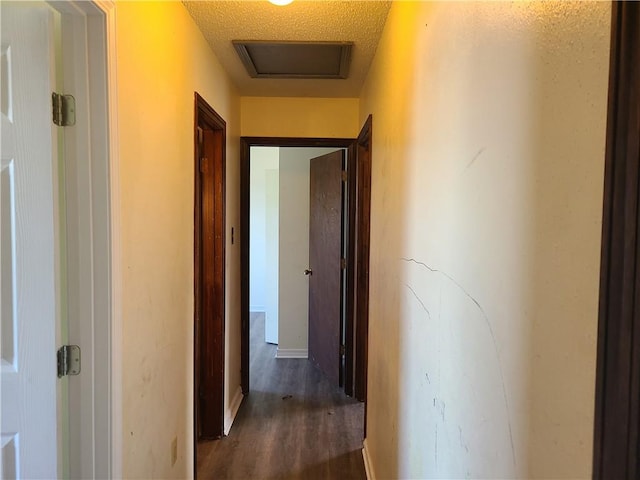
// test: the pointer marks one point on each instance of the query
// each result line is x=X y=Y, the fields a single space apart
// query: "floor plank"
x=293 y=425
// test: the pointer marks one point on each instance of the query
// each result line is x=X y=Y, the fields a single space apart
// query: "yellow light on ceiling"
x=280 y=3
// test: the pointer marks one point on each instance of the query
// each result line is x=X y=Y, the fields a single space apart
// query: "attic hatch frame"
x=295 y=60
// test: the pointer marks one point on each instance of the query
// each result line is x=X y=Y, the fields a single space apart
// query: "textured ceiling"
x=361 y=22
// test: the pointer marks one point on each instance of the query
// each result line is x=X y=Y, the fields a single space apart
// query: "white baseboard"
x=232 y=411
x=368 y=465
x=257 y=308
x=292 y=353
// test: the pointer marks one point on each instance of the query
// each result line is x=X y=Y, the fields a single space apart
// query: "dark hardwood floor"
x=293 y=425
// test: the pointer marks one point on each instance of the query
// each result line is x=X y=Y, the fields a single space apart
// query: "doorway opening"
x=209 y=271
x=354 y=254
x=248 y=147
x=283 y=216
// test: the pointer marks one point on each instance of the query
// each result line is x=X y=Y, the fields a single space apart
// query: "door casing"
x=91 y=152
x=209 y=271
x=360 y=297
x=617 y=407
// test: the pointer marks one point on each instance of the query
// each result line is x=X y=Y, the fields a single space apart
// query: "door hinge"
x=342 y=350
x=64 y=109
x=203 y=164
x=344 y=175
x=68 y=360
x=343 y=263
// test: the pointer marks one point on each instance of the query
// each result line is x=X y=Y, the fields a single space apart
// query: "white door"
x=27 y=254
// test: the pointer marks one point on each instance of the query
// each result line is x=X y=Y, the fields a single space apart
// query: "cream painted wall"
x=299 y=117
x=162 y=60
x=488 y=153
x=272 y=180
x=262 y=159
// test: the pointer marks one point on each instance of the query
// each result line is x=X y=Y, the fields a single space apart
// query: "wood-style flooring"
x=293 y=425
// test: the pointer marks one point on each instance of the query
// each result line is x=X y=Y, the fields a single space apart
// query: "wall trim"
x=368 y=464
x=116 y=466
x=292 y=353
x=257 y=308
x=232 y=411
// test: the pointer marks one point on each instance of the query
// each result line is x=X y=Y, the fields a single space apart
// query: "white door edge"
x=102 y=459
x=108 y=8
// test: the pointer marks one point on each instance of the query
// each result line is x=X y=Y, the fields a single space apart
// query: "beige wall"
x=263 y=248
x=299 y=117
x=162 y=60
x=488 y=147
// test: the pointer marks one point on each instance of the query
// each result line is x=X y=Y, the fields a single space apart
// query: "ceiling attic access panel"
x=300 y=60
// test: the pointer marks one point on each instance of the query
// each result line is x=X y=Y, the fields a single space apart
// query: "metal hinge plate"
x=344 y=176
x=343 y=263
x=68 y=360
x=64 y=109
x=342 y=350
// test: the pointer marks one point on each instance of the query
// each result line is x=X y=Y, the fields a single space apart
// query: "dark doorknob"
x=308 y=271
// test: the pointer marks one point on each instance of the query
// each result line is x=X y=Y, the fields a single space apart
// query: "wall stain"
x=436 y=449
x=475 y=157
x=428 y=379
x=442 y=407
x=463 y=444
x=489 y=326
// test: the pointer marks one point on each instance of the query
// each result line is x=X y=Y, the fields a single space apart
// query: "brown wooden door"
x=325 y=223
x=212 y=325
x=617 y=412
x=209 y=272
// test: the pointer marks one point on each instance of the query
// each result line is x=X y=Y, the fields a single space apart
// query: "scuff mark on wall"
x=475 y=157
x=463 y=444
x=491 y=332
x=441 y=407
x=436 y=446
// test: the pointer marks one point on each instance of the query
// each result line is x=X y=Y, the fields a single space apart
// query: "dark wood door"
x=617 y=413
x=212 y=325
x=209 y=274
x=325 y=223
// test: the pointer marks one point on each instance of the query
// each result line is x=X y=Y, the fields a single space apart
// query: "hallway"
x=292 y=425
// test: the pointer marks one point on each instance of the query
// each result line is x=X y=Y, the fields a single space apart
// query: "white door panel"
x=27 y=280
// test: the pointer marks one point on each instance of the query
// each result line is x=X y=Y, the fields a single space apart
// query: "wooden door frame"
x=360 y=309
x=207 y=119
x=617 y=411
x=245 y=158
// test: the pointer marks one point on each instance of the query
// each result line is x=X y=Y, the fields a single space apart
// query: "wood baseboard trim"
x=292 y=353
x=232 y=411
x=368 y=465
